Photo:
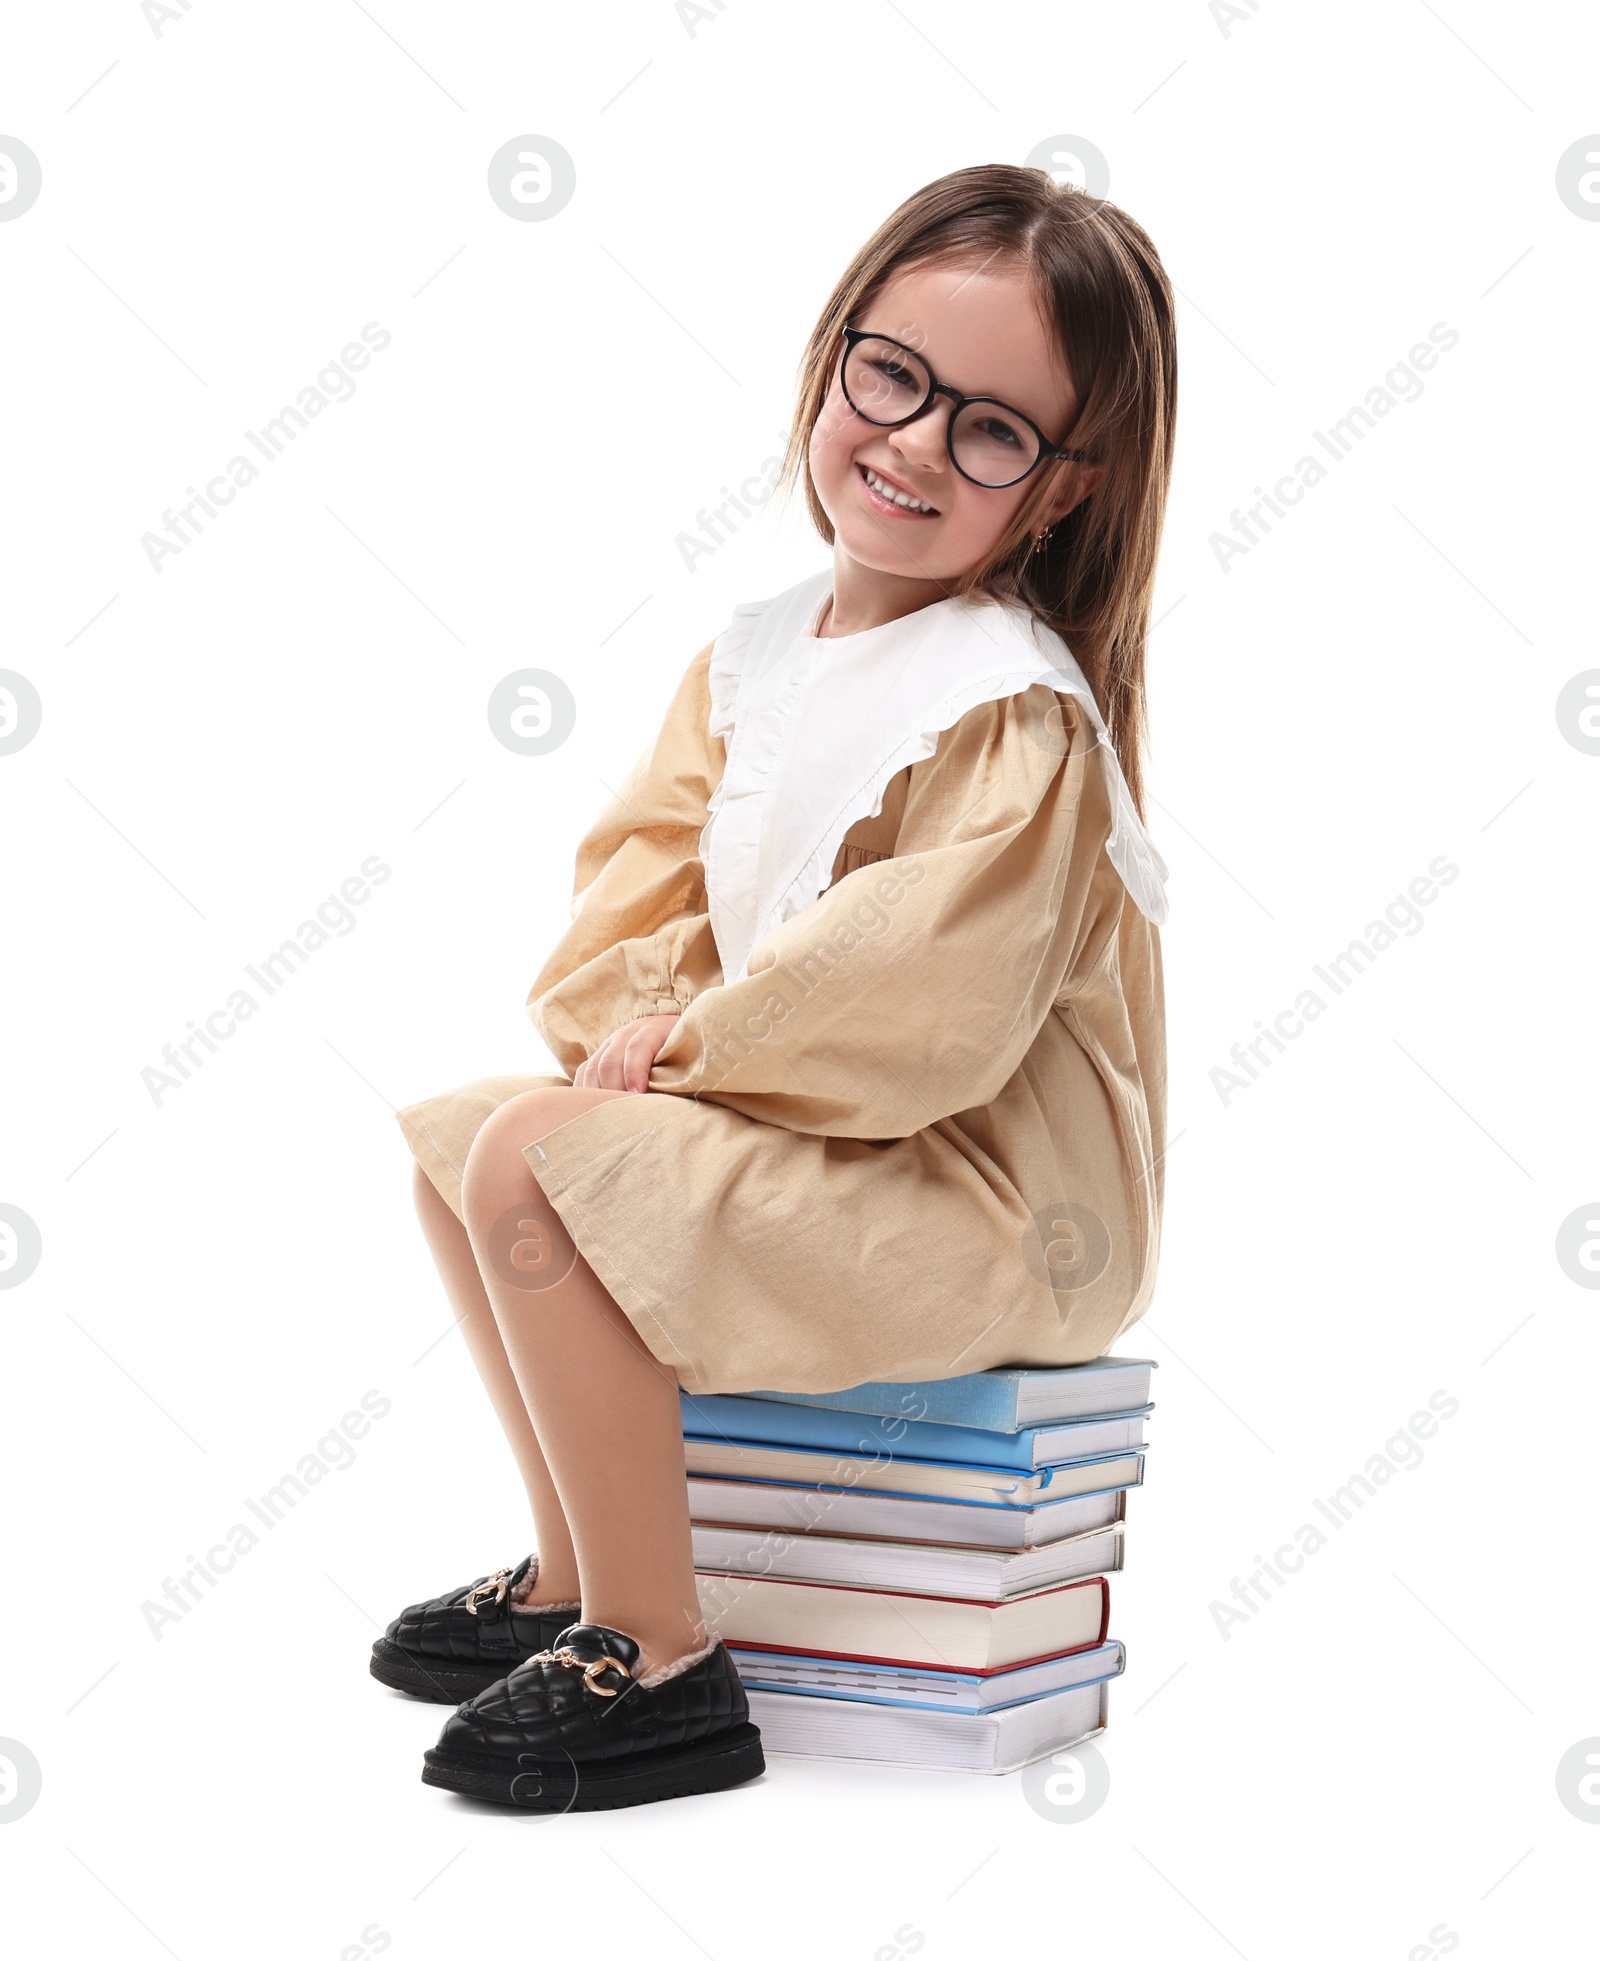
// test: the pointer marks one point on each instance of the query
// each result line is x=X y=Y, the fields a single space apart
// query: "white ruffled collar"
x=815 y=729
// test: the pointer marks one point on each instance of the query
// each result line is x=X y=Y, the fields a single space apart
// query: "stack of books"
x=915 y=1572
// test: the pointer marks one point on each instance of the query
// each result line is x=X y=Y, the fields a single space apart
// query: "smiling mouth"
x=890 y=497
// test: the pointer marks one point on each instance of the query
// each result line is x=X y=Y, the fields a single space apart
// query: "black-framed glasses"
x=990 y=443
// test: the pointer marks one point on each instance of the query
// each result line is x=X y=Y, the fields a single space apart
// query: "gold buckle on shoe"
x=493 y=1588
x=570 y=1658
x=594 y=1668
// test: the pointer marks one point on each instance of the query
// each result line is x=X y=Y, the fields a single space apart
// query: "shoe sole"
x=431 y=1681
x=533 y=1784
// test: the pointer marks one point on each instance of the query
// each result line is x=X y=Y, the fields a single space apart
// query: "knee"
x=496 y=1173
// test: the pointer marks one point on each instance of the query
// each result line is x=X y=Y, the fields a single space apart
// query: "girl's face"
x=982 y=332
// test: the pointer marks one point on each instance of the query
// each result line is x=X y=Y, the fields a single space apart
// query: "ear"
x=1077 y=481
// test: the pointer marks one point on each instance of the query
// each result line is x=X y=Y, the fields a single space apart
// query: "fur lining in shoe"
x=653 y=1676
x=519 y=1594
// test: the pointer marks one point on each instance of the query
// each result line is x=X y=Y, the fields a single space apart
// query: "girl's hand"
x=624 y=1059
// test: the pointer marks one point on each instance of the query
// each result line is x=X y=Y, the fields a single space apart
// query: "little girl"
x=860 y=1010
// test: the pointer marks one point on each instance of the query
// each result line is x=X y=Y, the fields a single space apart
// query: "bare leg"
x=557 y=1576
x=605 y=1411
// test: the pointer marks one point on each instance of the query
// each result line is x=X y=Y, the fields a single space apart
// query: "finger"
x=661 y=1031
x=636 y=1060
x=608 y=1065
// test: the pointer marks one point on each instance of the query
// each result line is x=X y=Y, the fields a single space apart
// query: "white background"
x=1371 y=1756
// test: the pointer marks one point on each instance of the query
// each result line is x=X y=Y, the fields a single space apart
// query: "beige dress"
x=923 y=1136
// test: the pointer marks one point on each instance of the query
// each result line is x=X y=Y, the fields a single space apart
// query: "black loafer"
x=574 y=1730
x=447 y=1649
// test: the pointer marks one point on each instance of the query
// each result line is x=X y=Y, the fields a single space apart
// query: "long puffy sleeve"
x=915 y=986
x=640 y=942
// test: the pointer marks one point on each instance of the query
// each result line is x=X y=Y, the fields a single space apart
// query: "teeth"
x=894 y=496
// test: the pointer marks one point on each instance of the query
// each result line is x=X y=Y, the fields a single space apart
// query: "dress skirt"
x=750 y=1256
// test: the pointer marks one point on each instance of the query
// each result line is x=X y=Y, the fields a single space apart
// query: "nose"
x=924 y=441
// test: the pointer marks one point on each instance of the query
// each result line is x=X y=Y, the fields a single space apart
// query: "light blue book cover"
x=756 y=1419
x=997 y=1399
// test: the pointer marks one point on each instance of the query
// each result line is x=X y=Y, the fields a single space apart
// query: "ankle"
x=652 y=1671
x=542 y=1590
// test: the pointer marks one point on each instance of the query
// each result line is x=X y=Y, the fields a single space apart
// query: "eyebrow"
x=980 y=395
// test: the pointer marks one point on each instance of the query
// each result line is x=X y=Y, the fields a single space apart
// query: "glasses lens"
x=883 y=382
x=993 y=444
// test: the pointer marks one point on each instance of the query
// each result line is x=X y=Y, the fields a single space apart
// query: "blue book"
x=924 y=1688
x=755 y=1419
x=997 y=1399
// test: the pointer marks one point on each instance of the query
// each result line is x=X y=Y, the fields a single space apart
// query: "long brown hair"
x=1105 y=292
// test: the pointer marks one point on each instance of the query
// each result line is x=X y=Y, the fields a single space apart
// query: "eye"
x=995 y=429
x=896 y=373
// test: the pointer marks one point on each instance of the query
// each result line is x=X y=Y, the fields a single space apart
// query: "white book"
x=964 y=1572
x=993 y=1741
x=971 y=1637
x=924 y=1688
x=884 y=1515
